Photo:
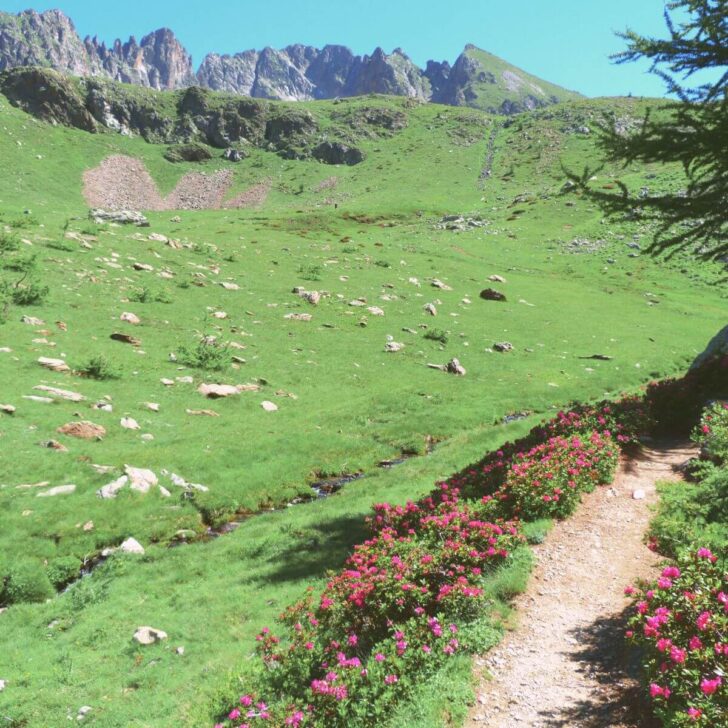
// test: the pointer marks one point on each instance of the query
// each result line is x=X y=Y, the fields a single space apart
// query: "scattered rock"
x=110 y=490
x=437 y=283
x=158 y=237
x=131 y=546
x=230 y=286
x=130 y=318
x=639 y=494
x=54 y=445
x=153 y=406
x=233 y=155
x=58 y=490
x=497 y=279
x=430 y=308
x=393 y=347
x=269 y=406
x=143 y=267
x=8 y=409
x=490 y=294
x=32 y=321
x=375 y=311
x=140 y=479
x=83 y=711
x=103 y=406
x=149 y=635
x=129 y=423
x=84 y=430
x=126 y=339
x=503 y=346
x=454 y=367
x=121 y=217
x=298 y=316
x=180 y=650
x=60 y=393
x=55 y=365
x=3 y=685
x=202 y=413
x=216 y=391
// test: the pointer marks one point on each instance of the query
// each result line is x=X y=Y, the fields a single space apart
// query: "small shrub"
x=27 y=582
x=63 y=570
x=208 y=354
x=147 y=295
x=712 y=433
x=99 y=367
x=310 y=272
x=31 y=294
x=437 y=335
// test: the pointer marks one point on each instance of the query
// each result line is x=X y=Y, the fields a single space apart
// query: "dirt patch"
x=199 y=191
x=566 y=663
x=124 y=183
x=252 y=197
x=121 y=183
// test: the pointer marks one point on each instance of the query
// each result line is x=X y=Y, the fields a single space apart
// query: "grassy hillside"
x=371 y=233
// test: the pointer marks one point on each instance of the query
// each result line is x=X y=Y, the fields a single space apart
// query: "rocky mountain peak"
x=297 y=72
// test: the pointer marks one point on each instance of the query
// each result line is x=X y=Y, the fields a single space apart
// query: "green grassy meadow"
x=365 y=232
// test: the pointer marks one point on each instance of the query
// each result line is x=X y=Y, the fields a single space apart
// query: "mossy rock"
x=188 y=153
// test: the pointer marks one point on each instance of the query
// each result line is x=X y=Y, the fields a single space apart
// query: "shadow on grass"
x=324 y=546
x=609 y=661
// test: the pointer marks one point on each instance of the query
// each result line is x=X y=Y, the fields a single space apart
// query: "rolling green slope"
x=371 y=233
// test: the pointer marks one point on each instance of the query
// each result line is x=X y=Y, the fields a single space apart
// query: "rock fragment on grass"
x=84 y=430
x=129 y=423
x=55 y=365
x=57 y=490
x=131 y=546
x=149 y=635
x=130 y=318
x=140 y=479
x=269 y=406
x=110 y=490
x=60 y=393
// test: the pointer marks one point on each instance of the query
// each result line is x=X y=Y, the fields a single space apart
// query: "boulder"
x=84 y=430
x=455 y=367
x=131 y=546
x=149 y=635
x=717 y=346
x=233 y=155
x=191 y=152
x=120 y=217
x=490 y=294
x=140 y=479
x=337 y=153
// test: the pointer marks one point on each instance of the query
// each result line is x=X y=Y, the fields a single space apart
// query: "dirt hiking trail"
x=565 y=664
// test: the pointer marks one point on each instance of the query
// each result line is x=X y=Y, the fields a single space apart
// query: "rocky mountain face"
x=294 y=73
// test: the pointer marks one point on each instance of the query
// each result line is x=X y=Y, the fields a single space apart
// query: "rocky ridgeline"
x=195 y=115
x=294 y=73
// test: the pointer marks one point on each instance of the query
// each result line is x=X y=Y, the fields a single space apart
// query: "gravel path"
x=565 y=664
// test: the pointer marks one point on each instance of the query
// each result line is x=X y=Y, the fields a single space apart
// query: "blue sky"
x=564 y=41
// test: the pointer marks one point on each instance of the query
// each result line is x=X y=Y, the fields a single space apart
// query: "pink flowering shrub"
x=712 y=433
x=681 y=624
x=384 y=621
x=545 y=480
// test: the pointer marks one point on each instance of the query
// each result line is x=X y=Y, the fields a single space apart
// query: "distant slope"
x=294 y=73
x=484 y=81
